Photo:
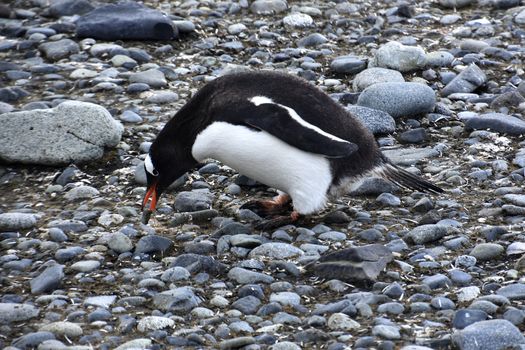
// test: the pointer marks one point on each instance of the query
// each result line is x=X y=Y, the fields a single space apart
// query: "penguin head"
x=159 y=177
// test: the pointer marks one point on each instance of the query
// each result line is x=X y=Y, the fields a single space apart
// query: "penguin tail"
x=405 y=179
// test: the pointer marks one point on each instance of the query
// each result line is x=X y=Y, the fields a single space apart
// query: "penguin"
x=278 y=129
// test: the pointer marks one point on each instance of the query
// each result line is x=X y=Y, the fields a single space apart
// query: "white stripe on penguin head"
x=148 y=164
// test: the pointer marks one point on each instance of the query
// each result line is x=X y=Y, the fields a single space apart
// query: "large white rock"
x=72 y=132
x=394 y=55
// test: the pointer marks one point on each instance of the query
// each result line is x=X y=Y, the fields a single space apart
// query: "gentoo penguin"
x=277 y=129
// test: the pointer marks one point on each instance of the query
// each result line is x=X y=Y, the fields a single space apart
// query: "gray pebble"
x=399 y=99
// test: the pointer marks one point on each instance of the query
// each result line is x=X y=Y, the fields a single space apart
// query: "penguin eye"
x=155 y=172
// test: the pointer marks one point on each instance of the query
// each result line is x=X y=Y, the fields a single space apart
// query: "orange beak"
x=152 y=193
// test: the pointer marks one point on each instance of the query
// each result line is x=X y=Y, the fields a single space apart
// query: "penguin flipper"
x=284 y=123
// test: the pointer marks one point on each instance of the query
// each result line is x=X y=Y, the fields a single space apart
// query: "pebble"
x=276 y=250
x=298 y=20
x=57 y=50
x=119 y=242
x=399 y=99
x=17 y=221
x=33 y=340
x=342 y=322
x=14 y=312
x=427 y=233
x=153 y=77
x=268 y=7
x=243 y=276
x=466 y=317
x=515 y=291
x=48 y=281
x=378 y=122
x=497 y=122
x=151 y=323
x=491 y=334
x=348 y=65
x=487 y=251
x=376 y=75
x=467 y=81
x=399 y=57
x=66 y=329
x=163 y=97
x=125 y=21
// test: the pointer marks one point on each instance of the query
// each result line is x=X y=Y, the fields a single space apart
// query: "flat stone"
x=467 y=81
x=135 y=344
x=189 y=201
x=347 y=65
x=399 y=99
x=487 y=251
x=67 y=329
x=410 y=156
x=498 y=122
x=162 y=97
x=195 y=263
x=126 y=21
x=180 y=300
x=56 y=50
x=488 y=335
x=376 y=75
x=236 y=343
x=151 y=323
x=286 y=298
x=69 y=8
x=248 y=305
x=276 y=250
x=466 y=317
x=298 y=20
x=243 y=276
x=72 y=132
x=33 y=340
x=120 y=243
x=386 y=332
x=176 y=273
x=17 y=221
x=12 y=312
x=104 y=301
x=455 y=4
x=312 y=40
x=48 y=281
x=439 y=59
x=378 y=122
x=356 y=264
x=86 y=265
x=402 y=58
x=152 y=77
x=427 y=233
x=342 y=322
x=268 y=7
x=81 y=192
x=153 y=244
x=515 y=291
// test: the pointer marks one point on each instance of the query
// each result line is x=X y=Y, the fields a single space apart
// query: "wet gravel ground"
x=439 y=83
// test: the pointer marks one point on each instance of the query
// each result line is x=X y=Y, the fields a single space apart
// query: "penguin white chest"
x=305 y=176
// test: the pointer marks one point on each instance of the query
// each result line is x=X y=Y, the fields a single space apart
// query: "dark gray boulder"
x=126 y=21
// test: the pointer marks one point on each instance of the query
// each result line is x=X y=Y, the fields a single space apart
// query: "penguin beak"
x=151 y=193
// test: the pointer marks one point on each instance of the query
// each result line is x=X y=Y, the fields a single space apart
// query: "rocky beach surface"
x=85 y=87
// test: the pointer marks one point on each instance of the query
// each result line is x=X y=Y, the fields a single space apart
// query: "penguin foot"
x=272 y=207
x=278 y=221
